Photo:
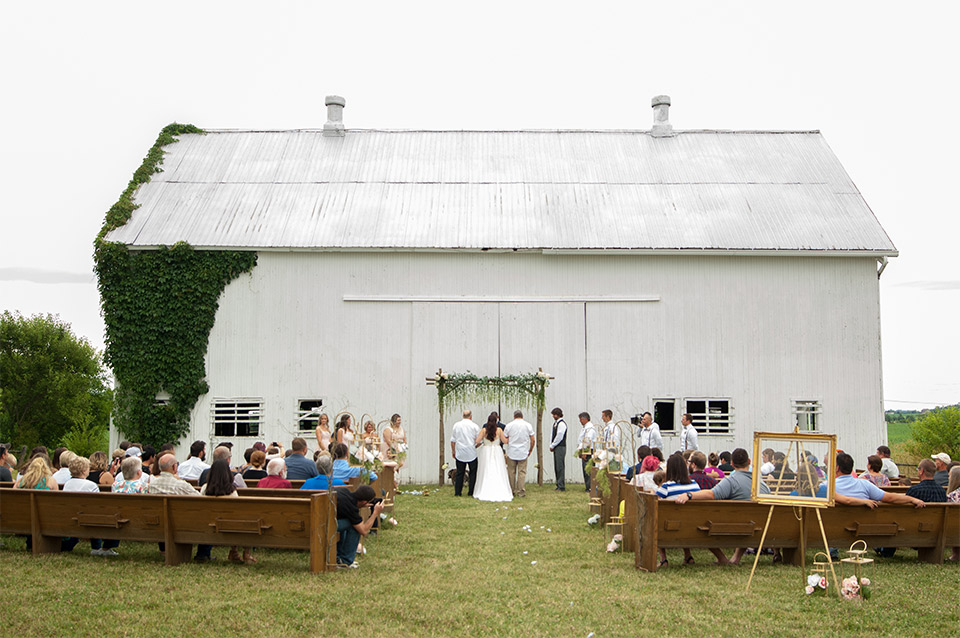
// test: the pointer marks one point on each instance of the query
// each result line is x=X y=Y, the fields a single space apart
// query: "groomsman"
x=688 y=438
x=586 y=443
x=520 y=442
x=464 y=448
x=558 y=445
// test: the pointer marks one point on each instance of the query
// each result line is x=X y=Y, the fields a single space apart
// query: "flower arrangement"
x=593 y=520
x=816 y=584
x=615 y=543
x=852 y=589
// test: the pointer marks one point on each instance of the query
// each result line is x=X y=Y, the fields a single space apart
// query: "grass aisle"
x=457 y=567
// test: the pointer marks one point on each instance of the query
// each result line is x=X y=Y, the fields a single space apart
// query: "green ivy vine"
x=465 y=388
x=159 y=307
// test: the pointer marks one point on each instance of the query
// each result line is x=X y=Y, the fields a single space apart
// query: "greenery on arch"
x=464 y=388
x=159 y=307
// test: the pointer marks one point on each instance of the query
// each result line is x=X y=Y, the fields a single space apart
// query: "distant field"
x=899 y=432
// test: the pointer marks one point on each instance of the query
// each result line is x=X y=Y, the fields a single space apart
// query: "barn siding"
x=760 y=330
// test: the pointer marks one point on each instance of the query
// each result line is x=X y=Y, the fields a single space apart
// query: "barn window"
x=806 y=415
x=710 y=416
x=236 y=417
x=308 y=414
x=663 y=414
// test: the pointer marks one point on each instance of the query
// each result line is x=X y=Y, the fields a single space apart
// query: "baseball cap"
x=133 y=451
x=942 y=456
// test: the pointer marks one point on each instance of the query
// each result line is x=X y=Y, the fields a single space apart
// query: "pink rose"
x=809 y=589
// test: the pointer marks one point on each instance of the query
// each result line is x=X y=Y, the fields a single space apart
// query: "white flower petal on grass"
x=533 y=562
x=525 y=553
x=549 y=530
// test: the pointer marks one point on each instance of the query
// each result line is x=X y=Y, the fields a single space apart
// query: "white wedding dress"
x=492 y=483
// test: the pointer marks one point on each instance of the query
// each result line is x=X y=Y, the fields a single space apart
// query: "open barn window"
x=710 y=416
x=664 y=414
x=236 y=417
x=308 y=414
x=806 y=414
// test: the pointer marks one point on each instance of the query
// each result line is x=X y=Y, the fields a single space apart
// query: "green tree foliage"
x=937 y=431
x=50 y=382
x=159 y=307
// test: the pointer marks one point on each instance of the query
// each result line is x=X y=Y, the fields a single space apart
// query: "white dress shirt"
x=588 y=436
x=518 y=433
x=464 y=437
x=689 y=439
x=612 y=435
x=192 y=468
x=651 y=436
x=62 y=475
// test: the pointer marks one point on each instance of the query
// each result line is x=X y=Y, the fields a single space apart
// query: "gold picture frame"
x=798 y=472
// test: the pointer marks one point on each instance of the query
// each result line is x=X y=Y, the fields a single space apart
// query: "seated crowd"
x=686 y=476
x=140 y=469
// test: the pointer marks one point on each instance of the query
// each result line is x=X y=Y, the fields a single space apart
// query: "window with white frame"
x=236 y=417
x=308 y=414
x=710 y=415
x=806 y=414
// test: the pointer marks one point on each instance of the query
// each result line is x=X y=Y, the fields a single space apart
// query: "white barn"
x=733 y=275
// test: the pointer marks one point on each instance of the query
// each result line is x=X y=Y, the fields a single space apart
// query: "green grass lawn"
x=458 y=567
x=898 y=433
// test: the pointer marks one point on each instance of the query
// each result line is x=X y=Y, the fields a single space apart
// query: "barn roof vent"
x=334 y=125
x=661 y=117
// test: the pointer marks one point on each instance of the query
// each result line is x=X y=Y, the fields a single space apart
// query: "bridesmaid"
x=395 y=440
x=344 y=433
x=323 y=432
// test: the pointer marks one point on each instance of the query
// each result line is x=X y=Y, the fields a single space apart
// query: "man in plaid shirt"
x=927 y=489
x=697 y=465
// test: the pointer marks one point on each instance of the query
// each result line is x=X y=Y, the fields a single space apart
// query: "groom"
x=464 y=448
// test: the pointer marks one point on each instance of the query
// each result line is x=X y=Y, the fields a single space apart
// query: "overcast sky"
x=88 y=86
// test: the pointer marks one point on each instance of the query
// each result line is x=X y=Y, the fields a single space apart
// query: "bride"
x=492 y=483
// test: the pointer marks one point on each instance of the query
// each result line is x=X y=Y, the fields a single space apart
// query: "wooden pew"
x=651 y=524
x=307 y=521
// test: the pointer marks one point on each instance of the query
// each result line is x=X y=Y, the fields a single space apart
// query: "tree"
x=937 y=431
x=51 y=382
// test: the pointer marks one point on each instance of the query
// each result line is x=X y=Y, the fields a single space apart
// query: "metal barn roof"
x=527 y=190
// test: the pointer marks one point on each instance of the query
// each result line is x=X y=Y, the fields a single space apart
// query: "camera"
x=635 y=420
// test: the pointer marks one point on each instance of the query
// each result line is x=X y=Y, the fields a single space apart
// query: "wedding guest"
x=130 y=478
x=642 y=452
x=890 y=469
x=5 y=474
x=62 y=475
x=37 y=475
x=220 y=484
x=276 y=476
x=342 y=469
x=464 y=452
x=350 y=525
x=726 y=463
x=874 y=472
x=194 y=466
x=55 y=459
x=953 y=496
x=520 y=442
x=322 y=480
x=299 y=468
x=766 y=467
x=148 y=456
x=99 y=470
x=928 y=490
x=256 y=471
x=677 y=482
x=322 y=432
x=697 y=466
x=657 y=452
x=942 y=476
x=222 y=453
x=246 y=461
x=644 y=479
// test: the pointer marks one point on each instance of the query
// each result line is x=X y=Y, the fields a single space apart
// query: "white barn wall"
x=759 y=330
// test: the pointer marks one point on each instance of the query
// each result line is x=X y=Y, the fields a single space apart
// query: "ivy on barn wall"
x=159 y=307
